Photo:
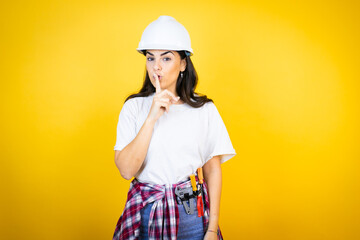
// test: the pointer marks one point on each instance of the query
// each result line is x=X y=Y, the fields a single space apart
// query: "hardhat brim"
x=187 y=52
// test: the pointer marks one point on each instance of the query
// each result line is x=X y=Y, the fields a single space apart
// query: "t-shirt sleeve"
x=218 y=140
x=126 y=127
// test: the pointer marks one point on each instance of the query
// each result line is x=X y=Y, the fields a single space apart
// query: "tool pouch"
x=186 y=197
x=191 y=196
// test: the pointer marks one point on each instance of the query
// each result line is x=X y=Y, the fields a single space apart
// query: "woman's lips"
x=158 y=76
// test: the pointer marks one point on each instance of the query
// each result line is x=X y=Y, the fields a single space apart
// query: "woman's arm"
x=130 y=159
x=213 y=178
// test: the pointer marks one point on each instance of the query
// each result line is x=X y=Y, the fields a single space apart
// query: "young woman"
x=165 y=134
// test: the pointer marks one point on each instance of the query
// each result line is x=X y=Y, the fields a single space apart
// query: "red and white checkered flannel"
x=164 y=215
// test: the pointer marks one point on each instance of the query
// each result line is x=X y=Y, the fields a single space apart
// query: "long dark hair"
x=184 y=86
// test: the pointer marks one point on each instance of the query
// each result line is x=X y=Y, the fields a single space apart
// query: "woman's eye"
x=152 y=59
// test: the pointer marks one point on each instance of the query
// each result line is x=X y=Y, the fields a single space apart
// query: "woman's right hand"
x=161 y=101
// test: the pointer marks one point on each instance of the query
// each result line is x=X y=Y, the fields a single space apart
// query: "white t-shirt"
x=183 y=139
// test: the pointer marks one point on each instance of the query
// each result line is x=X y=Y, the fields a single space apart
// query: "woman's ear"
x=183 y=65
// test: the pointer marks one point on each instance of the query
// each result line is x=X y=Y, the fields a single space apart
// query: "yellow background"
x=283 y=74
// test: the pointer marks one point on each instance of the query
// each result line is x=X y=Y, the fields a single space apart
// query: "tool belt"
x=188 y=195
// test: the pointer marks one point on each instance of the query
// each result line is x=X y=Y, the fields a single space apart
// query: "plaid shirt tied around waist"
x=164 y=215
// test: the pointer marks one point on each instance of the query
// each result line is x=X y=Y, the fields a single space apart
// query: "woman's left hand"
x=210 y=236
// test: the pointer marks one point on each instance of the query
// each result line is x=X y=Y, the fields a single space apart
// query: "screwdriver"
x=193 y=182
x=200 y=203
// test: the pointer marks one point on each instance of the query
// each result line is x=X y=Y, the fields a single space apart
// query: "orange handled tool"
x=200 y=203
x=200 y=175
x=200 y=206
x=193 y=182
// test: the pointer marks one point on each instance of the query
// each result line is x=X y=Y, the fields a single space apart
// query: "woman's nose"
x=157 y=65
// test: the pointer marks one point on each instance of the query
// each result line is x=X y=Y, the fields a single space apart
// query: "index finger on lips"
x=157 y=84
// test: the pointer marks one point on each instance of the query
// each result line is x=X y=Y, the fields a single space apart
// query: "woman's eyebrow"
x=160 y=54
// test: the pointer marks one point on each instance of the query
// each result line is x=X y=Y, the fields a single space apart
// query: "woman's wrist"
x=213 y=222
x=209 y=230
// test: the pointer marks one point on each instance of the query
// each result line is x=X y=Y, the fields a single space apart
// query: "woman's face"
x=167 y=65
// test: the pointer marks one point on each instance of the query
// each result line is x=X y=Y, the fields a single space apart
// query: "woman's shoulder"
x=210 y=109
x=139 y=99
x=207 y=104
x=138 y=103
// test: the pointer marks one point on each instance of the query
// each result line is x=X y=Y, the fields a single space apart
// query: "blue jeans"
x=190 y=226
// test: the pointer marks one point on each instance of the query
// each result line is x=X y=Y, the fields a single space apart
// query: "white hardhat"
x=165 y=33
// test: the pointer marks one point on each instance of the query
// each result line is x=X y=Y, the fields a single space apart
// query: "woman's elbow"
x=124 y=170
x=126 y=175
